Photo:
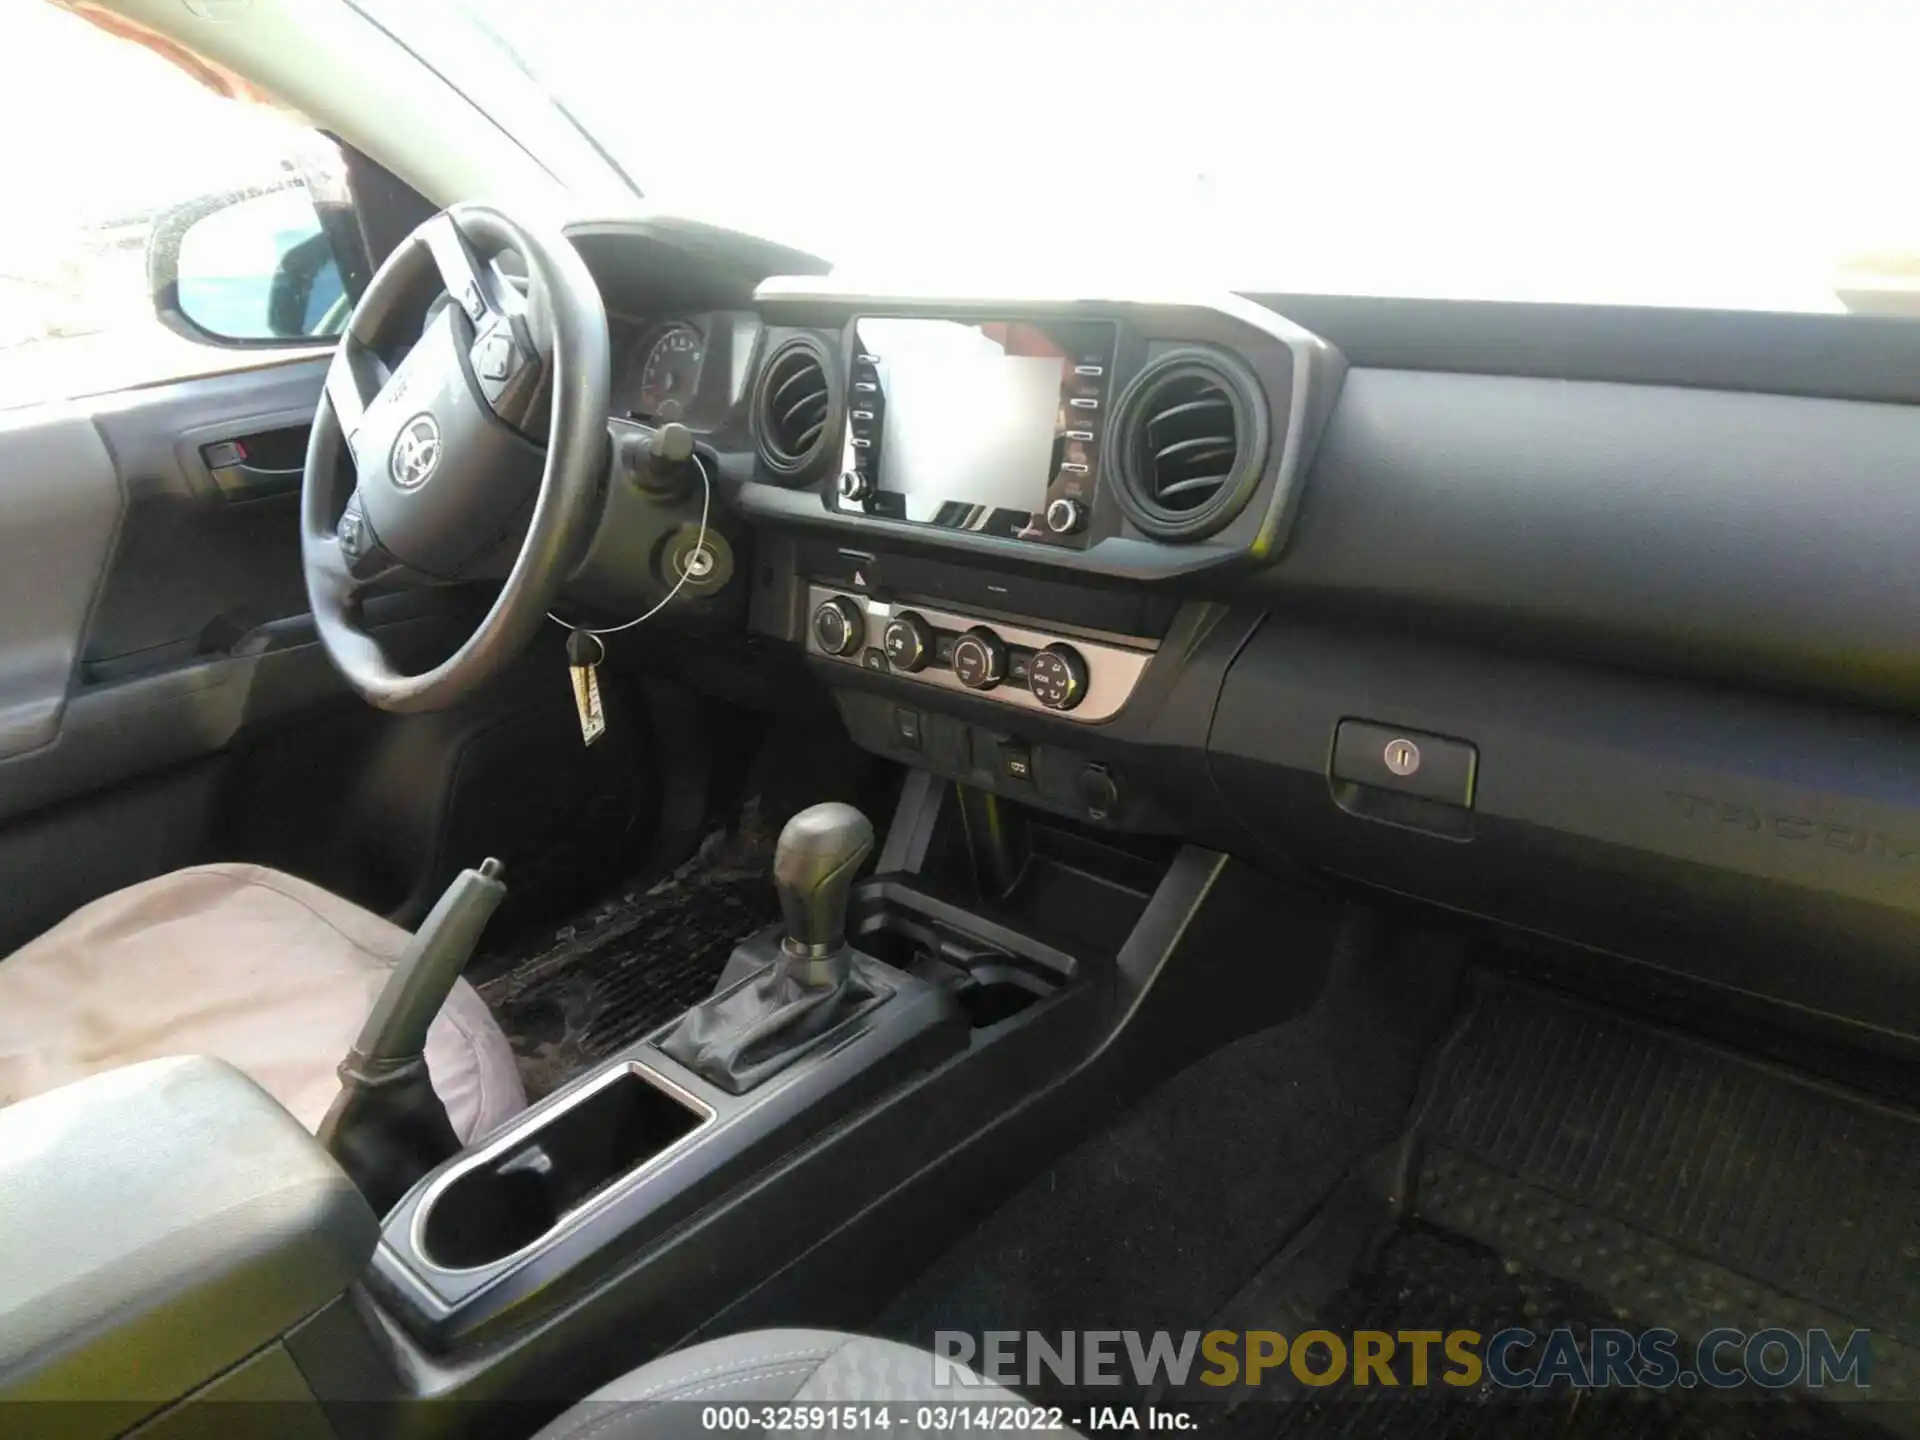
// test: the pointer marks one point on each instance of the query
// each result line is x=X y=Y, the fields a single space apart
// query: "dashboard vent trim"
x=1190 y=441
x=795 y=409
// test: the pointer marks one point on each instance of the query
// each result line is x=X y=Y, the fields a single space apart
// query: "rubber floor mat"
x=1566 y=1166
x=569 y=997
x=1427 y=1279
x=1807 y=1190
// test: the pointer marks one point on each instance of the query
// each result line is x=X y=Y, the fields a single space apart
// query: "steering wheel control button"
x=854 y=486
x=979 y=659
x=493 y=355
x=1057 y=676
x=473 y=302
x=1066 y=516
x=356 y=537
x=908 y=641
x=1410 y=762
x=839 y=626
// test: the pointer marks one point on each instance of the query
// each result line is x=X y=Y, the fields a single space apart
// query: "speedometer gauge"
x=671 y=373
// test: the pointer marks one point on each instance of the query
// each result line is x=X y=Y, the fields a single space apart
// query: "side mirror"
x=258 y=267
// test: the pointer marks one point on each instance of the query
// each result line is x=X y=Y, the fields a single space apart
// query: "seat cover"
x=672 y=1397
x=263 y=970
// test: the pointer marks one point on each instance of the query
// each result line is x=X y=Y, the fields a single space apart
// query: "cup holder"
x=990 y=983
x=993 y=993
x=512 y=1197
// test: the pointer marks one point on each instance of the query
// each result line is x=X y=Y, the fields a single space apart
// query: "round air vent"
x=794 y=407
x=1188 y=442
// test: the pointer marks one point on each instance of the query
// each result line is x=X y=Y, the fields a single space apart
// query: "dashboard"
x=1595 y=626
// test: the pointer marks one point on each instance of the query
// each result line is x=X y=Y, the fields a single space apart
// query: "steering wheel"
x=480 y=456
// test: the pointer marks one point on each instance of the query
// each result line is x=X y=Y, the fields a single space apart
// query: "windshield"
x=1679 y=152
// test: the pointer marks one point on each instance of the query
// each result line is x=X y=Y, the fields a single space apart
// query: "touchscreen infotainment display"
x=967 y=423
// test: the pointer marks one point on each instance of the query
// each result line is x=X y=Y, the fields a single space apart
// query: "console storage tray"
x=626 y=1120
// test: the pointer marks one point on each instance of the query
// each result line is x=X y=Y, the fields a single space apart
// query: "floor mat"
x=1428 y=1279
x=1568 y=1167
x=570 y=996
x=1807 y=1190
x=1561 y=1167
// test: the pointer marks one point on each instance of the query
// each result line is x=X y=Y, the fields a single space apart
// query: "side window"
x=156 y=228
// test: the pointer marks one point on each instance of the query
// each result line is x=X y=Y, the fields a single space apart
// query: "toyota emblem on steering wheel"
x=416 y=453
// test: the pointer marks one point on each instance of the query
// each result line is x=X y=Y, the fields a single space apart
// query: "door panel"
x=60 y=504
x=147 y=619
x=194 y=567
x=147 y=624
x=167 y=700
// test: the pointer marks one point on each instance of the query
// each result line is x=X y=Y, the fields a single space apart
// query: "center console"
x=1009 y=562
x=858 y=996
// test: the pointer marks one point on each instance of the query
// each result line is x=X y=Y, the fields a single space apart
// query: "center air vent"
x=794 y=407
x=1190 y=440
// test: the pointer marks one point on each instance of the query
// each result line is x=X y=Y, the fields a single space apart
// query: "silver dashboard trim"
x=836 y=290
x=1316 y=371
x=1113 y=671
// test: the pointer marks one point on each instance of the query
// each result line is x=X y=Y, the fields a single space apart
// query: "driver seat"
x=250 y=965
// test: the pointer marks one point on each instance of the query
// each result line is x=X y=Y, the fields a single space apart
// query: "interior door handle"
x=237 y=477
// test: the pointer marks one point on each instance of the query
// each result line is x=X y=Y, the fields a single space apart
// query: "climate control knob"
x=980 y=659
x=908 y=641
x=1066 y=516
x=839 y=626
x=1057 y=676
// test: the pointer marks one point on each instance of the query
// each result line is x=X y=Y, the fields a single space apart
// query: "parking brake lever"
x=387 y=1127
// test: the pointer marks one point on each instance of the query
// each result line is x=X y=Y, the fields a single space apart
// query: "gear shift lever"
x=814 y=864
x=766 y=1022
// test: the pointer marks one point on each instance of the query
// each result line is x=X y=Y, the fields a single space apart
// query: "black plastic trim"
x=1855 y=357
x=1127 y=446
x=796 y=468
x=1753 y=537
x=1763 y=845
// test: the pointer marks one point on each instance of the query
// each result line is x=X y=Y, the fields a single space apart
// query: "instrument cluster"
x=688 y=368
x=657 y=377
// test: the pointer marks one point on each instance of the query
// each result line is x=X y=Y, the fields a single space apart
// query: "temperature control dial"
x=908 y=641
x=980 y=659
x=839 y=626
x=1057 y=676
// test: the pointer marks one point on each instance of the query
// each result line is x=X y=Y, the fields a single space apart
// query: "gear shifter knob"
x=814 y=862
